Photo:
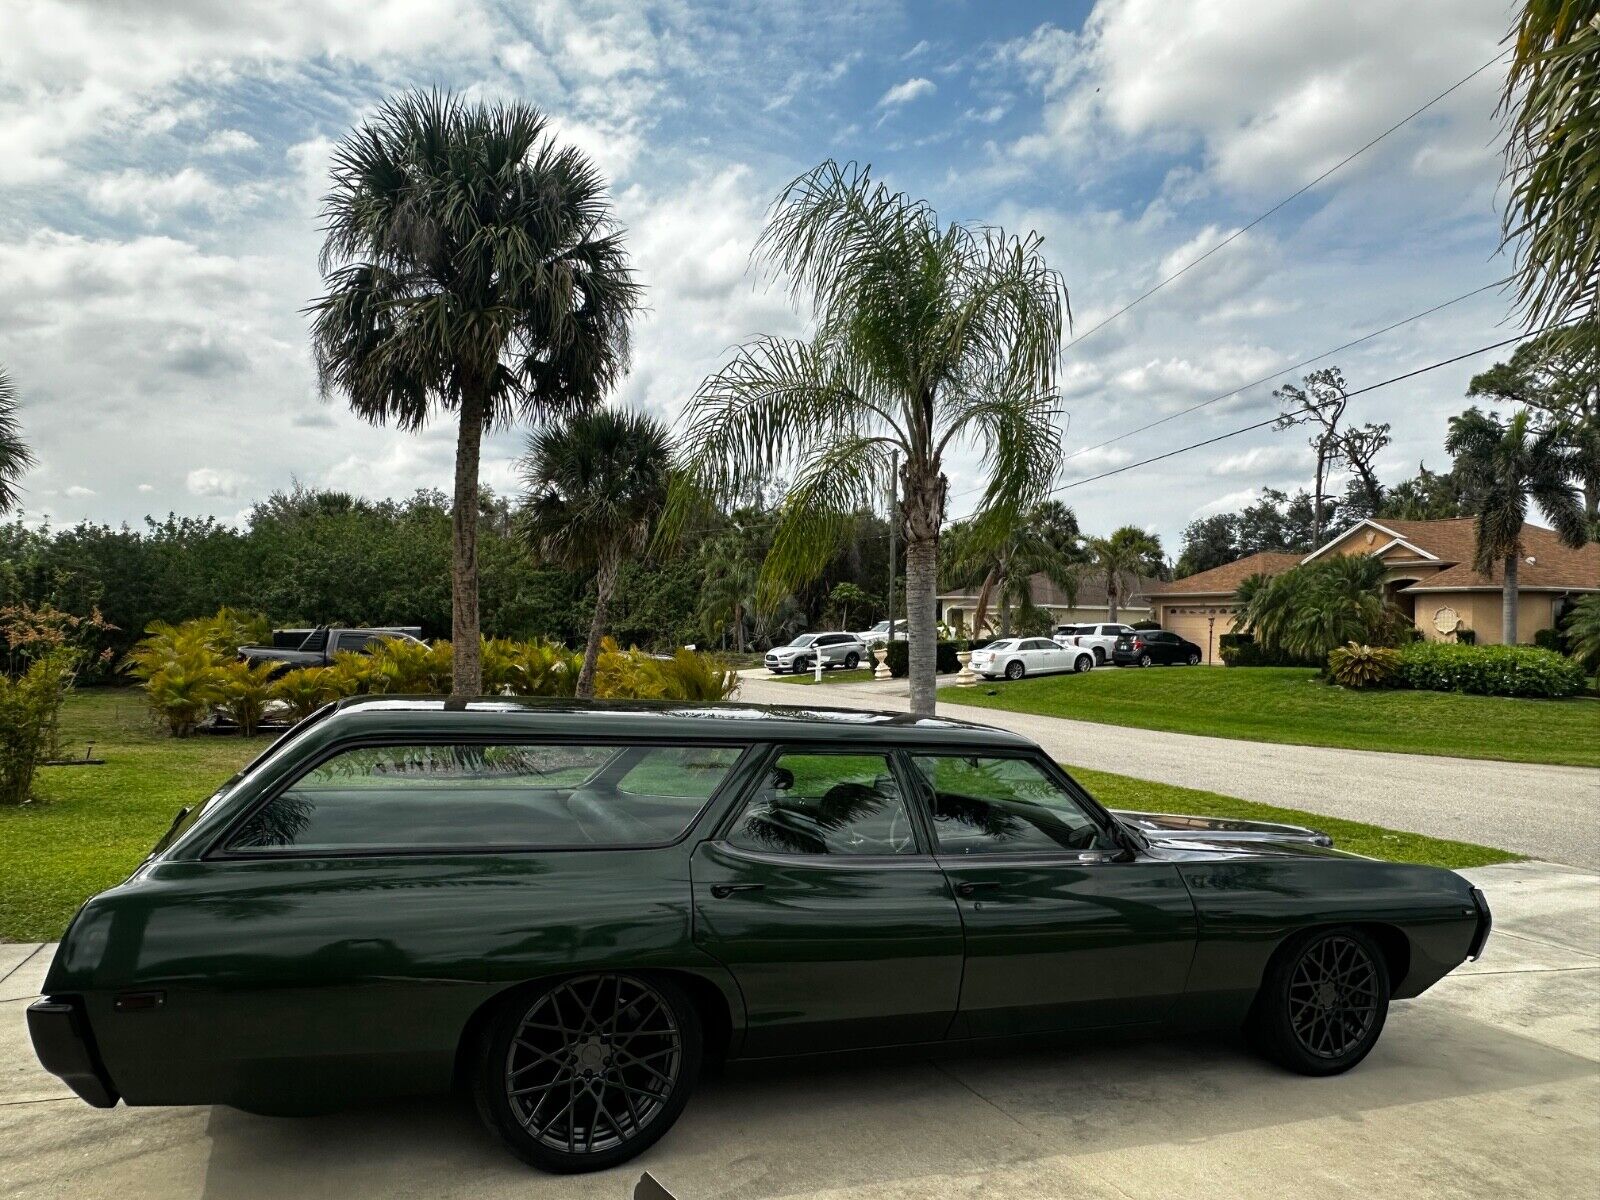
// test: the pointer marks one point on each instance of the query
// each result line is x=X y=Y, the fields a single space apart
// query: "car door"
x=1169 y=649
x=1036 y=654
x=1064 y=927
x=820 y=895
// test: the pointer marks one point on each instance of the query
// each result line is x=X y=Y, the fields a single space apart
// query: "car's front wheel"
x=1015 y=670
x=1083 y=663
x=1323 y=1002
x=1194 y=659
x=589 y=1071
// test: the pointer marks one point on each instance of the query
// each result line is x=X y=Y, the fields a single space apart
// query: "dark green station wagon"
x=571 y=907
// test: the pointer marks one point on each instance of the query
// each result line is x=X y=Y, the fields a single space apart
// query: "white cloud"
x=145 y=489
x=1261 y=461
x=920 y=48
x=149 y=196
x=228 y=141
x=213 y=481
x=904 y=93
x=78 y=491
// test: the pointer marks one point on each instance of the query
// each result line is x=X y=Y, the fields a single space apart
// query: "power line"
x=1244 y=387
x=1273 y=420
x=1238 y=233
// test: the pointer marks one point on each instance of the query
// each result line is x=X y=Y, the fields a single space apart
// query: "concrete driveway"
x=1546 y=812
x=1489 y=1085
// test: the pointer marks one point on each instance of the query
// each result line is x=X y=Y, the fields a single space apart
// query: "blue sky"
x=158 y=230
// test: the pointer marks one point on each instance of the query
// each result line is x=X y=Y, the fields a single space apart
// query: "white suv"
x=835 y=649
x=1099 y=638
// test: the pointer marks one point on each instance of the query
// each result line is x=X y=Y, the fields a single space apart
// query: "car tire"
x=1146 y=661
x=852 y=661
x=1015 y=670
x=1194 y=659
x=1323 y=1001
x=1083 y=664
x=573 y=1030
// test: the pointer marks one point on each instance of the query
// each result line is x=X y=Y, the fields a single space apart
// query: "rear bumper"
x=65 y=1047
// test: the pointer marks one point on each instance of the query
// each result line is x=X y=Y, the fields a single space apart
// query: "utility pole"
x=894 y=507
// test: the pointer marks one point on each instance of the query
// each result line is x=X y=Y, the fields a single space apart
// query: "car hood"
x=1180 y=828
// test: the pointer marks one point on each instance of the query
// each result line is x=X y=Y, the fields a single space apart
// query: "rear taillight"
x=1138 y=643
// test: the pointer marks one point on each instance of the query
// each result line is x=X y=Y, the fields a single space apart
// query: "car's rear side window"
x=486 y=796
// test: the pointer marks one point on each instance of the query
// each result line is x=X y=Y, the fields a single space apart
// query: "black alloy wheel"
x=1015 y=670
x=590 y=1071
x=1323 y=1002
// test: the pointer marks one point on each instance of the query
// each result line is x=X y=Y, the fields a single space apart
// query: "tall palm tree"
x=1122 y=558
x=473 y=268
x=596 y=482
x=15 y=457
x=1505 y=467
x=1552 y=105
x=925 y=336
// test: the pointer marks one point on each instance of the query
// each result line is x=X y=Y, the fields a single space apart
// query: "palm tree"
x=15 y=457
x=1504 y=468
x=1122 y=558
x=1552 y=104
x=596 y=484
x=1582 y=629
x=1003 y=572
x=925 y=336
x=473 y=267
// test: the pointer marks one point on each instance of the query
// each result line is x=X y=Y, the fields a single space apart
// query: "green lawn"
x=1121 y=791
x=1286 y=704
x=95 y=824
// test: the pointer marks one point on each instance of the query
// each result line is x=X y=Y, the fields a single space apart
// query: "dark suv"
x=1148 y=647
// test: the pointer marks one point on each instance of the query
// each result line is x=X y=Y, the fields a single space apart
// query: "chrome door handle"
x=723 y=890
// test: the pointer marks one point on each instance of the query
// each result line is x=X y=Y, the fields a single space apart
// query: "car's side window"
x=483 y=796
x=826 y=804
x=1001 y=805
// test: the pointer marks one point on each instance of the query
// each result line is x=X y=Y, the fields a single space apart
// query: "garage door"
x=1201 y=624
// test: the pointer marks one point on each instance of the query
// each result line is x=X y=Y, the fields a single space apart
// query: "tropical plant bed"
x=1120 y=791
x=1292 y=705
x=91 y=828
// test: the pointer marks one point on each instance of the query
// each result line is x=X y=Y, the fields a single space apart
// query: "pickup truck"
x=319 y=645
x=1102 y=639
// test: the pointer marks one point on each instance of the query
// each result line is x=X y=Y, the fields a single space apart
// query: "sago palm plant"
x=925 y=336
x=474 y=268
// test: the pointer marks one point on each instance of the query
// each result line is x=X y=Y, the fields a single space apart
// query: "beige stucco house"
x=1429 y=575
x=1090 y=604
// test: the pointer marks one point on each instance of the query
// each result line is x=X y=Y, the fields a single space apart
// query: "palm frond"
x=15 y=457
x=819 y=510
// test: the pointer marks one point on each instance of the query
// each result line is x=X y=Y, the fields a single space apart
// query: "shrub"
x=1466 y=637
x=1145 y=625
x=244 y=690
x=1489 y=670
x=1358 y=666
x=29 y=705
x=181 y=669
x=946 y=662
x=302 y=691
x=1550 y=639
x=1242 y=650
x=1581 y=628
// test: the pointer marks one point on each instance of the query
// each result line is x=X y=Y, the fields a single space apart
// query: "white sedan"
x=1012 y=658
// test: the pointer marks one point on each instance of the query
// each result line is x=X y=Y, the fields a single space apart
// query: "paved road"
x=1551 y=813
x=1487 y=1086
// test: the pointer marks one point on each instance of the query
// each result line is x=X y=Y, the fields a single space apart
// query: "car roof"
x=710 y=721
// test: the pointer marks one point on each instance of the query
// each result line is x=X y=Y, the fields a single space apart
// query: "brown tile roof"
x=1555 y=567
x=1452 y=540
x=1226 y=578
x=1091 y=592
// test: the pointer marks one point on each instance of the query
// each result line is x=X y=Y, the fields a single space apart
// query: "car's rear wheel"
x=1015 y=670
x=1323 y=1002
x=852 y=661
x=1100 y=655
x=1146 y=661
x=1084 y=662
x=589 y=1071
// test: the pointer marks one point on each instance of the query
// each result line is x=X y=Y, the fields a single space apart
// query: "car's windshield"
x=1007 y=645
x=805 y=639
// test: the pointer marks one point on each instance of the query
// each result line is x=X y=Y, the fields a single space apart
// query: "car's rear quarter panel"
x=338 y=978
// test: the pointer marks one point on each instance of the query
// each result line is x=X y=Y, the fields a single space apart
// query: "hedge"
x=1489 y=670
x=1242 y=650
x=900 y=658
